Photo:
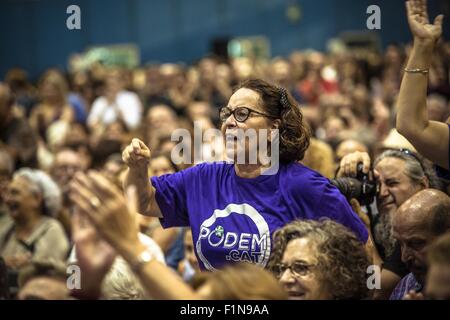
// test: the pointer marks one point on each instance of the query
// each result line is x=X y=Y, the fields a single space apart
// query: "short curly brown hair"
x=279 y=103
x=342 y=259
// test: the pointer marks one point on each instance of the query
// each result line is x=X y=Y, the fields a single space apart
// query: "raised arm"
x=430 y=138
x=137 y=157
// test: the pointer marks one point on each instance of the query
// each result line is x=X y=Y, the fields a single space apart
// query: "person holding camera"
x=398 y=174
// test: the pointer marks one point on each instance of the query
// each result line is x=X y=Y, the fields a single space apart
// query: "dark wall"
x=34 y=35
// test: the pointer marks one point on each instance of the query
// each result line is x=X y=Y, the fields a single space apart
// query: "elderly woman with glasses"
x=233 y=208
x=319 y=260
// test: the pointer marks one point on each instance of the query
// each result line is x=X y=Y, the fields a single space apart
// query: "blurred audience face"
x=67 y=163
x=114 y=82
x=242 y=68
x=49 y=90
x=113 y=168
x=306 y=286
x=162 y=119
x=53 y=87
x=199 y=110
x=21 y=200
x=395 y=186
x=207 y=69
x=44 y=288
x=414 y=226
x=160 y=165
x=281 y=72
x=333 y=127
x=189 y=252
x=437 y=108
x=393 y=55
x=349 y=146
x=223 y=73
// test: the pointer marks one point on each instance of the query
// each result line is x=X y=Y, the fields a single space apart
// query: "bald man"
x=416 y=224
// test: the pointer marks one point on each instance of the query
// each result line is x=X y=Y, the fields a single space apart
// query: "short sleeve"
x=171 y=198
x=334 y=206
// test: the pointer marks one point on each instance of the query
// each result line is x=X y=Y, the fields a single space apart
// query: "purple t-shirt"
x=233 y=218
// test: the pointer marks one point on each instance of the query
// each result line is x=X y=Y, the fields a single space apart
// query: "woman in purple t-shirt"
x=233 y=208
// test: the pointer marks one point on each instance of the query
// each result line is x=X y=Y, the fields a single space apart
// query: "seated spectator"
x=16 y=135
x=25 y=93
x=116 y=104
x=67 y=162
x=33 y=199
x=416 y=224
x=54 y=104
x=326 y=261
x=438 y=275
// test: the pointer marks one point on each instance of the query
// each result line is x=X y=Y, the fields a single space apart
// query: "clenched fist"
x=136 y=155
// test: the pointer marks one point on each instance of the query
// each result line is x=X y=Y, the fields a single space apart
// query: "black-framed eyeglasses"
x=298 y=269
x=241 y=114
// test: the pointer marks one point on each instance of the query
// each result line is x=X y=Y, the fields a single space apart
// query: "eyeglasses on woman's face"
x=241 y=114
x=298 y=269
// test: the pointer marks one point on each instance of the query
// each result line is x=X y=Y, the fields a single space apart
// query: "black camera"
x=361 y=188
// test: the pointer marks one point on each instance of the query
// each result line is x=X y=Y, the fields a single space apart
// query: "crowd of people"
x=92 y=177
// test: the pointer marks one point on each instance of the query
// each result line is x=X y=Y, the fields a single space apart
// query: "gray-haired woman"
x=33 y=200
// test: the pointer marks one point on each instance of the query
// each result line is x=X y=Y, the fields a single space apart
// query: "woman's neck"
x=248 y=170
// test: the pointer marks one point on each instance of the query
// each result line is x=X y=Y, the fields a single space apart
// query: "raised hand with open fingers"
x=94 y=256
x=419 y=23
x=111 y=216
